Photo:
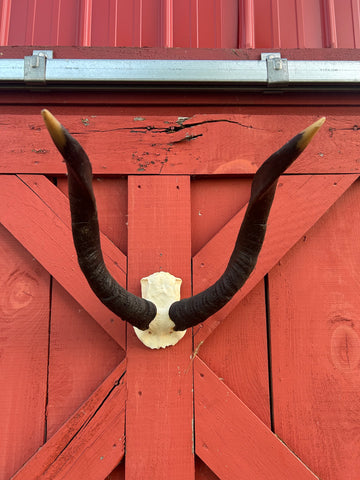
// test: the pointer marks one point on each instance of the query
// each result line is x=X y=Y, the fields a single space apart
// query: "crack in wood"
x=354 y=128
x=171 y=129
x=87 y=421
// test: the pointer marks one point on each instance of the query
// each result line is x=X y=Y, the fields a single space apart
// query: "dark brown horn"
x=191 y=311
x=85 y=228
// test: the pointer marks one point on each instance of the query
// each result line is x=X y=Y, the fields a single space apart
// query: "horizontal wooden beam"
x=183 y=53
x=37 y=214
x=91 y=443
x=231 y=439
x=299 y=202
x=202 y=144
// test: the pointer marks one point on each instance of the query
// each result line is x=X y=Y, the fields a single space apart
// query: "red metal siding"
x=181 y=23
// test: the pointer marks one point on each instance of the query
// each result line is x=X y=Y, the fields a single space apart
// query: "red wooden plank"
x=111 y=202
x=315 y=343
x=299 y=202
x=24 y=321
x=232 y=441
x=237 y=352
x=214 y=201
x=81 y=353
x=38 y=207
x=159 y=408
x=81 y=356
x=202 y=144
x=19 y=51
x=91 y=443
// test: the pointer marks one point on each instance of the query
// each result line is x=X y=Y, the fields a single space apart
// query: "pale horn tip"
x=55 y=128
x=309 y=132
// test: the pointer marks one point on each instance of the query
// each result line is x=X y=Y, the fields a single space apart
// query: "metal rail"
x=271 y=72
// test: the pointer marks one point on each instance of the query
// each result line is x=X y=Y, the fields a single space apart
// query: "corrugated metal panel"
x=182 y=23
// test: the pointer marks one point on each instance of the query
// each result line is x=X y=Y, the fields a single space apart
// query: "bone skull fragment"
x=160 y=318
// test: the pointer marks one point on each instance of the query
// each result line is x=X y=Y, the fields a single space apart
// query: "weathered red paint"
x=200 y=145
x=232 y=346
x=315 y=341
x=55 y=364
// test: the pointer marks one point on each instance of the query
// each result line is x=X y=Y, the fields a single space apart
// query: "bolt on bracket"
x=35 y=67
x=277 y=69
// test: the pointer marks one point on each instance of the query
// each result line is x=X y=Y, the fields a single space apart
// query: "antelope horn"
x=85 y=229
x=191 y=311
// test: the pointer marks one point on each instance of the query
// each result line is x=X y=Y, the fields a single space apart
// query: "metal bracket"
x=277 y=69
x=35 y=67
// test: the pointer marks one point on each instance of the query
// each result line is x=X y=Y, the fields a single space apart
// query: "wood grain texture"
x=37 y=214
x=151 y=53
x=24 y=327
x=315 y=339
x=237 y=349
x=232 y=441
x=214 y=201
x=201 y=144
x=91 y=443
x=159 y=409
x=237 y=352
x=111 y=202
x=299 y=202
x=82 y=354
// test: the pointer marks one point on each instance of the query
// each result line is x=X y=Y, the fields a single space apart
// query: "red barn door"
x=266 y=388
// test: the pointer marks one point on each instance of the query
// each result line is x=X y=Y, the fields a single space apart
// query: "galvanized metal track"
x=43 y=71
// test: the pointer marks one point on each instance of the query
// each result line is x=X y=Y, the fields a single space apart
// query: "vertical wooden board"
x=81 y=356
x=92 y=441
x=299 y=202
x=81 y=353
x=214 y=201
x=99 y=445
x=24 y=324
x=232 y=440
x=315 y=343
x=159 y=408
x=37 y=214
x=111 y=202
x=237 y=353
